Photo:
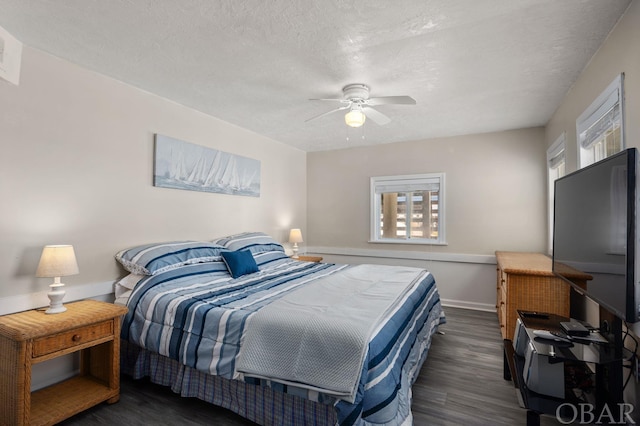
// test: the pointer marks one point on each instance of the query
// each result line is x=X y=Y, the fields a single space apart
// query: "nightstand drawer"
x=69 y=339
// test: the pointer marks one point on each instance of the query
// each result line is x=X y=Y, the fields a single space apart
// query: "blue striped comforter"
x=196 y=314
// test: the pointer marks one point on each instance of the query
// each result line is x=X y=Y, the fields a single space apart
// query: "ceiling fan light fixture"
x=355 y=118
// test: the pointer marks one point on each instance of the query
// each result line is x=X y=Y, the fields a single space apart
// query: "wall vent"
x=10 y=57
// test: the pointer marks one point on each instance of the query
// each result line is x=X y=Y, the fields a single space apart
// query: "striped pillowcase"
x=152 y=259
x=268 y=257
x=255 y=242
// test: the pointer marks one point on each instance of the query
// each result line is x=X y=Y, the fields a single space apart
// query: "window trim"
x=374 y=208
x=612 y=95
x=555 y=151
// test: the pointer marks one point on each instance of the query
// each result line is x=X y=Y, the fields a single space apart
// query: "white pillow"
x=129 y=282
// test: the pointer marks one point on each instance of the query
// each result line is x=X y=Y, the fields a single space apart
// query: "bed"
x=239 y=324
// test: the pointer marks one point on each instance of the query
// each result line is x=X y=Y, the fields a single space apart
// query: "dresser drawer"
x=69 y=339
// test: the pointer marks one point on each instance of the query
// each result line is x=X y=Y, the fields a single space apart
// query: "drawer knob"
x=76 y=337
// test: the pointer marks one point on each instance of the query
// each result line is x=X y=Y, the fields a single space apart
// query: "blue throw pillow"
x=239 y=263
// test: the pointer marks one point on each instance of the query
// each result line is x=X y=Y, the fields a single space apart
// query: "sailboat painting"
x=183 y=165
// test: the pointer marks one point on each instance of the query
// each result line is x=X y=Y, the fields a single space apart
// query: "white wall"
x=618 y=54
x=76 y=167
x=495 y=190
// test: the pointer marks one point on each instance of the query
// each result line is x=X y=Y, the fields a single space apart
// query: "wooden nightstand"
x=30 y=337
x=308 y=258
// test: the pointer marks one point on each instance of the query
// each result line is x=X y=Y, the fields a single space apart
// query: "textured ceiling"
x=473 y=66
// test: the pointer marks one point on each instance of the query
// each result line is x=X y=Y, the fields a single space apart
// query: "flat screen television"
x=594 y=234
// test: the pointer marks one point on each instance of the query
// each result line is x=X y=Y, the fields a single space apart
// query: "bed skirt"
x=261 y=404
x=271 y=404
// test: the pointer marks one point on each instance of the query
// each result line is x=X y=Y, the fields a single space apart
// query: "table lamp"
x=57 y=261
x=295 y=237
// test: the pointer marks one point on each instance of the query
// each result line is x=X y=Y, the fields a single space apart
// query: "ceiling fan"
x=358 y=103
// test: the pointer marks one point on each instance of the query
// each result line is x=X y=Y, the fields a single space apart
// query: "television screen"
x=594 y=232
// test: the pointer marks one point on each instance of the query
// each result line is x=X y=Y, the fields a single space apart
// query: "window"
x=600 y=127
x=555 y=170
x=408 y=209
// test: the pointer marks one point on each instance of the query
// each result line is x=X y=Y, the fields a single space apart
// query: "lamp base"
x=56 y=294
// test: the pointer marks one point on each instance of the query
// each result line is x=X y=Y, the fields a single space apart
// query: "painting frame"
x=183 y=165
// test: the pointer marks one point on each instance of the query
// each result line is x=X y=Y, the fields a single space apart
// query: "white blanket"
x=317 y=337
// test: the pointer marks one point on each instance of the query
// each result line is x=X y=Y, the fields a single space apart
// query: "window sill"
x=412 y=241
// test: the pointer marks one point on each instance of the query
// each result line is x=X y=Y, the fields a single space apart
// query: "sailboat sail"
x=198 y=173
x=210 y=179
x=178 y=169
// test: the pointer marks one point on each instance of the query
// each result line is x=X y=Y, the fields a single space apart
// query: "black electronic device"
x=535 y=315
x=551 y=335
x=595 y=233
x=574 y=328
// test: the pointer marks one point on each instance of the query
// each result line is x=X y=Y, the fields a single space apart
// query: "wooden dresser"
x=525 y=281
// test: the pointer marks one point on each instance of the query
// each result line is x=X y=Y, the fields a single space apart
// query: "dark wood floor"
x=460 y=384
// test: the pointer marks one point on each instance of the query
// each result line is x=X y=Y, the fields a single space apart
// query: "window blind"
x=557 y=160
x=607 y=123
x=407 y=186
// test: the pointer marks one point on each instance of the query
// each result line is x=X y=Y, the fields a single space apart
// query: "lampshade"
x=295 y=236
x=355 y=118
x=57 y=261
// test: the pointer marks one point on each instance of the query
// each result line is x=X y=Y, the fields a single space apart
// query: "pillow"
x=239 y=263
x=268 y=257
x=125 y=286
x=152 y=259
x=130 y=281
x=255 y=242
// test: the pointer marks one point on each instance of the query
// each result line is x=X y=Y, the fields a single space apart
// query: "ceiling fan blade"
x=327 y=113
x=377 y=117
x=385 y=100
x=344 y=101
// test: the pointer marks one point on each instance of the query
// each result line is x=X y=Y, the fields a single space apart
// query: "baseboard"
x=404 y=254
x=486 y=307
x=24 y=302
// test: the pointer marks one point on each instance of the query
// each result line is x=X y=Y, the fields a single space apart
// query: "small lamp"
x=57 y=261
x=355 y=118
x=295 y=237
